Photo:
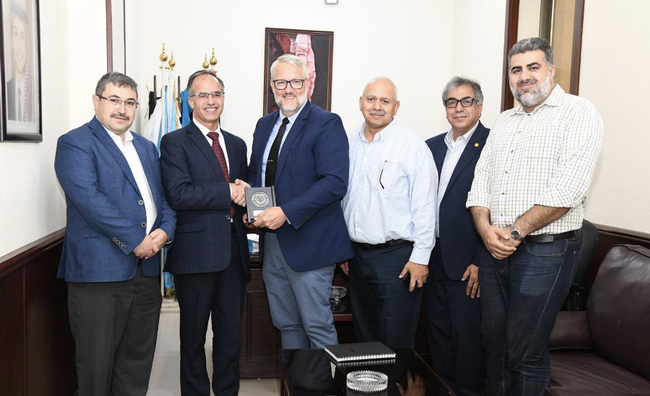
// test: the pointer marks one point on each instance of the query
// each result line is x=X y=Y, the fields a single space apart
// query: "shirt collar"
x=449 y=137
x=204 y=129
x=128 y=137
x=381 y=135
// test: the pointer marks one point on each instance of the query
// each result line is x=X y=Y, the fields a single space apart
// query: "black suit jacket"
x=459 y=241
x=196 y=187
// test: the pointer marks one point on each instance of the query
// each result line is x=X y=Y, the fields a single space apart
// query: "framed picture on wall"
x=315 y=47
x=21 y=72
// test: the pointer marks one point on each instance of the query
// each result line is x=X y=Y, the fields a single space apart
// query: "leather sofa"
x=605 y=350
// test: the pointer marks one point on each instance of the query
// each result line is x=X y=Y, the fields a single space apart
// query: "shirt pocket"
x=388 y=175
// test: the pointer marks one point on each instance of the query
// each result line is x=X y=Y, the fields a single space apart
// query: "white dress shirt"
x=205 y=130
x=454 y=152
x=392 y=190
x=128 y=150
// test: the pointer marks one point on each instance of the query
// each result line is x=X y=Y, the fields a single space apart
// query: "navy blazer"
x=106 y=218
x=459 y=241
x=197 y=189
x=310 y=181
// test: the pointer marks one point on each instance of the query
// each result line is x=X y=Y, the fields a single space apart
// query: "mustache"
x=122 y=115
x=529 y=81
x=377 y=112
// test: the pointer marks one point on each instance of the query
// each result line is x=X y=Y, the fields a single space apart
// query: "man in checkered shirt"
x=528 y=199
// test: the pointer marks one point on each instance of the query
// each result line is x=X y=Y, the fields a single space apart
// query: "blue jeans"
x=520 y=299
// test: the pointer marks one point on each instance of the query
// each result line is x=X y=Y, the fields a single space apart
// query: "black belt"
x=394 y=242
x=548 y=238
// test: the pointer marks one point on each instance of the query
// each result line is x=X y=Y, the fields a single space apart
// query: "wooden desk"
x=310 y=372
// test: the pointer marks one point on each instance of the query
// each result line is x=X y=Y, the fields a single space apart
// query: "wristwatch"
x=515 y=234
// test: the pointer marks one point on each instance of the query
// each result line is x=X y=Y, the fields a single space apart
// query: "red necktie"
x=218 y=151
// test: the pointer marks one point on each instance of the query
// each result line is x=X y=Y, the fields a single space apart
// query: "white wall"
x=614 y=76
x=73 y=56
x=421 y=45
x=413 y=42
x=29 y=205
x=477 y=52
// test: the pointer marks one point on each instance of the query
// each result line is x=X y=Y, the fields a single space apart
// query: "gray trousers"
x=299 y=301
x=115 y=325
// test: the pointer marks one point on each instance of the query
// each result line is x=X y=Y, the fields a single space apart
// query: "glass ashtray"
x=367 y=381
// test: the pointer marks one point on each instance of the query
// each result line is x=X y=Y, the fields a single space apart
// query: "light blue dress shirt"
x=292 y=119
x=392 y=190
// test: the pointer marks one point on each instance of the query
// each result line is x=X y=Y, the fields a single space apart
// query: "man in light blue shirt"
x=390 y=215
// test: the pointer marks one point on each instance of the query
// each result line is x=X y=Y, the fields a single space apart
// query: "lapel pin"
x=475 y=144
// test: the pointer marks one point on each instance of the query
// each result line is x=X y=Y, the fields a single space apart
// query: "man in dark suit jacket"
x=117 y=221
x=202 y=170
x=451 y=294
x=302 y=150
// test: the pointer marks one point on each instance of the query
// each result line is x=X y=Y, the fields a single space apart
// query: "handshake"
x=238 y=192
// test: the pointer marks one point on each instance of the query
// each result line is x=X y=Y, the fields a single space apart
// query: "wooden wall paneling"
x=12 y=334
x=576 y=55
x=510 y=39
x=260 y=340
x=36 y=347
x=50 y=343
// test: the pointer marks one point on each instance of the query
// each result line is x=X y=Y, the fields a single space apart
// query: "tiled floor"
x=165 y=376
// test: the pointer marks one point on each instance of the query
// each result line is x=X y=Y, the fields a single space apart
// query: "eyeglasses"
x=205 y=95
x=129 y=103
x=453 y=102
x=282 y=84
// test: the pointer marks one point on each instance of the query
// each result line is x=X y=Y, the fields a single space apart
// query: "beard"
x=536 y=97
x=300 y=100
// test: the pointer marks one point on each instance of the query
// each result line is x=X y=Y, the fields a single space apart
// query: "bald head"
x=378 y=104
x=384 y=81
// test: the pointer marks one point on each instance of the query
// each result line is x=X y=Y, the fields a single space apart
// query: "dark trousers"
x=454 y=330
x=520 y=299
x=384 y=310
x=115 y=325
x=220 y=294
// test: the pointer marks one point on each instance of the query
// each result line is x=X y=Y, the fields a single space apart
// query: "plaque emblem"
x=260 y=199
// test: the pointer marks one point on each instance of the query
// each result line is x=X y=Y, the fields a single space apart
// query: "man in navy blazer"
x=302 y=150
x=451 y=294
x=202 y=170
x=117 y=222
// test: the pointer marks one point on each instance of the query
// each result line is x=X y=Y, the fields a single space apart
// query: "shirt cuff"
x=477 y=200
x=557 y=198
x=420 y=256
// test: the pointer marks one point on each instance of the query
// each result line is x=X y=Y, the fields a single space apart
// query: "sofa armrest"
x=571 y=331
